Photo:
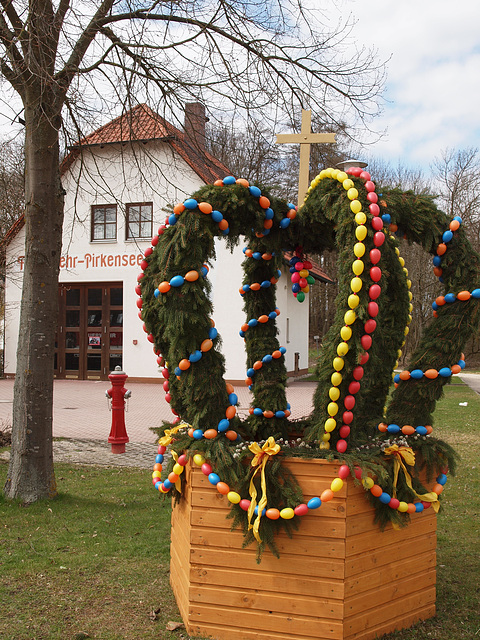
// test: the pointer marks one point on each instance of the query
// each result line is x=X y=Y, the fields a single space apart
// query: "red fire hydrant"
x=118 y=394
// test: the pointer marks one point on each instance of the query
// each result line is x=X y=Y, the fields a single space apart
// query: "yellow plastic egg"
x=355 y=206
x=348 y=184
x=338 y=364
x=361 y=232
x=359 y=249
x=233 y=497
x=304 y=273
x=360 y=217
x=326 y=437
x=356 y=284
x=178 y=469
x=336 y=379
x=350 y=317
x=345 y=333
x=358 y=267
x=352 y=194
x=287 y=513
x=332 y=408
x=330 y=425
x=368 y=483
x=198 y=459
x=353 y=301
x=342 y=350
x=334 y=393
x=342 y=176
x=336 y=485
x=324 y=445
x=402 y=507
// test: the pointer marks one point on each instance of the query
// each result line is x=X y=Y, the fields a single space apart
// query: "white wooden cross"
x=305 y=138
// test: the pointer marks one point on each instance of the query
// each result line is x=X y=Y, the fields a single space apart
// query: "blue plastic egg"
x=255 y=191
x=257 y=412
x=172 y=219
x=212 y=333
x=233 y=398
x=195 y=357
x=216 y=216
x=445 y=372
x=213 y=478
x=416 y=374
x=314 y=503
x=269 y=214
x=284 y=223
x=421 y=431
x=229 y=180
x=159 y=458
x=223 y=425
x=198 y=434
x=191 y=203
x=385 y=498
x=177 y=281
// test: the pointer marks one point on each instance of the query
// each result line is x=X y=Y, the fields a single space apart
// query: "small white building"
x=119 y=188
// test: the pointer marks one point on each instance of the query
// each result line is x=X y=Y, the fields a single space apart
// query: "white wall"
x=113 y=174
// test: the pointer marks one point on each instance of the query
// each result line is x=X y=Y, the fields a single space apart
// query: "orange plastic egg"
x=442 y=247
x=404 y=375
x=268 y=414
x=243 y=182
x=327 y=495
x=209 y=434
x=454 y=225
x=408 y=430
x=273 y=514
x=257 y=365
x=264 y=202
x=231 y=435
x=229 y=387
x=184 y=364
x=191 y=276
x=172 y=477
x=230 y=412
x=179 y=208
x=431 y=374
x=164 y=287
x=464 y=295
x=206 y=345
x=205 y=207
x=376 y=490
x=277 y=354
x=255 y=286
x=223 y=224
x=223 y=488
x=263 y=319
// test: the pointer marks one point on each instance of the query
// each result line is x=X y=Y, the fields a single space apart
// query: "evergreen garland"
x=179 y=321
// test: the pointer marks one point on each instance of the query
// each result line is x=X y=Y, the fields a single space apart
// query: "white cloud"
x=433 y=85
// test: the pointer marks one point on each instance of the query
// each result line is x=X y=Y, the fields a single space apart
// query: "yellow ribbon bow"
x=401 y=454
x=167 y=437
x=259 y=461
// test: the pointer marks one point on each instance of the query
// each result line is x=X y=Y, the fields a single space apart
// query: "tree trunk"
x=31 y=475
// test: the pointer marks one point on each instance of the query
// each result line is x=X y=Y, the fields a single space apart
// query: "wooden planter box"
x=339 y=577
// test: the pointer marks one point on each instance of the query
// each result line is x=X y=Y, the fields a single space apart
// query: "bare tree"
x=11 y=184
x=457 y=176
x=68 y=61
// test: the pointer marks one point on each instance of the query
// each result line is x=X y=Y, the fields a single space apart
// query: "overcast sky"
x=432 y=97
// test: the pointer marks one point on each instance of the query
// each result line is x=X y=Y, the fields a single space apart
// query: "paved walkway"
x=82 y=419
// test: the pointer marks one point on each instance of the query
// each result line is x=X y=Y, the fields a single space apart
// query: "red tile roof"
x=141 y=124
x=317 y=272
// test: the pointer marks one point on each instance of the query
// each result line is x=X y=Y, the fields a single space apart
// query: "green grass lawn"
x=96 y=559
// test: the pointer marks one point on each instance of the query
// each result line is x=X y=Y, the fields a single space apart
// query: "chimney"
x=194 y=127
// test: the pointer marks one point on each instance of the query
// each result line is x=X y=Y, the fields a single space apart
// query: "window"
x=104 y=222
x=139 y=220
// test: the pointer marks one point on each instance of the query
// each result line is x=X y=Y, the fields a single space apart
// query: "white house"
x=119 y=187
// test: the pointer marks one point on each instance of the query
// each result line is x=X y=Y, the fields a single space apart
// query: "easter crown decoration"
x=383 y=439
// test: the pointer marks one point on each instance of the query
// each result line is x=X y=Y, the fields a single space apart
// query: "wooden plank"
x=269 y=624
x=390 y=591
x=225 y=632
x=377 y=556
x=394 y=610
x=180 y=582
x=267 y=602
x=410 y=618
x=329 y=527
x=232 y=559
x=237 y=579
x=298 y=545
x=363 y=542
x=397 y=568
